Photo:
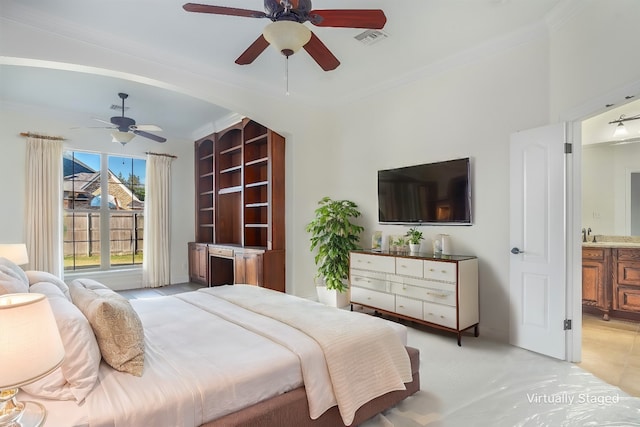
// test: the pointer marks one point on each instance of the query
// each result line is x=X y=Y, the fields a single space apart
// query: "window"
x=103 y=232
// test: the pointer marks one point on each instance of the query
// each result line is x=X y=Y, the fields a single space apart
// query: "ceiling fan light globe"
x=287 y=36
x=122 y=137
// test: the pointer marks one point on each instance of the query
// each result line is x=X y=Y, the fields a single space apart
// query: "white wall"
x=337 y=151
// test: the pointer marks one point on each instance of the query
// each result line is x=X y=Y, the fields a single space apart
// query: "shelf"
x=257 y=205
x=207 y=175
x=257 y=184
x=207 y=209
x=257 y=138
x=205 y=193
x=207 y=225
x=232 y=149
x=229 y=190
x=257 y=161
x=231 y=169
x=256 y=226
x=208 y=156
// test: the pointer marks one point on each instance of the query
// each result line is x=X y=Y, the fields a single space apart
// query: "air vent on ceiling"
x=370 y=37
x=118 y=107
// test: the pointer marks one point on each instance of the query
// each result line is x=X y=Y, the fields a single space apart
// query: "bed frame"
x=292 y=408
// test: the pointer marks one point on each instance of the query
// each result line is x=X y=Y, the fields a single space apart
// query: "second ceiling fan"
x=287 y=32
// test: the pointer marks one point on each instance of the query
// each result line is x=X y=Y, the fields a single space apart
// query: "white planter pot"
x=414 y=247
x=333 y=298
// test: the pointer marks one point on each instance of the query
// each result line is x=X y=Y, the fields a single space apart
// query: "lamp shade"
x=287 y=36
x=16 y=253
x=620 y=130
x=30 y=344
x=122 y=137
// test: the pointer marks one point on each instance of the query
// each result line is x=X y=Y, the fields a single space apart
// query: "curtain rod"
x=36 y=135
x=161 y=154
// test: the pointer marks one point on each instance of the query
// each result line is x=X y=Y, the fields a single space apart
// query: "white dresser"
x=440 y=292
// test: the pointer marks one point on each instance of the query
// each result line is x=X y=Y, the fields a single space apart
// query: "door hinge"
x=567 y=324
x=568 y=148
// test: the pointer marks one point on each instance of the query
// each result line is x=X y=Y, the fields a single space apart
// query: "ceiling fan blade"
x=103 y=121
x=253 y=51
x=321 y=54
x=221 y=10
x=149 y=135
x=147 y=128
x=351 y=18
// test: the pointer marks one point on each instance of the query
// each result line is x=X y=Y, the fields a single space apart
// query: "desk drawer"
x=385 y=264
x=440 y=314
x=223 y=252
x=437 y=270
x=373 y=298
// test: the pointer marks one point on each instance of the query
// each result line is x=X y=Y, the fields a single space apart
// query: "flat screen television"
x=432 y=193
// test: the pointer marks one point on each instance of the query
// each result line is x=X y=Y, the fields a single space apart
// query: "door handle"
x=516 y=251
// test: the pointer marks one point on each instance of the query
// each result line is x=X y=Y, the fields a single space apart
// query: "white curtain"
x=44 y=205
x=156 y=264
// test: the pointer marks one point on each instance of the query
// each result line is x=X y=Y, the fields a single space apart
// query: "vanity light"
x=620 y=129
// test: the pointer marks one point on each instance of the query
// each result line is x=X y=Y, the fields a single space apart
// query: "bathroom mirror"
x=611 y=188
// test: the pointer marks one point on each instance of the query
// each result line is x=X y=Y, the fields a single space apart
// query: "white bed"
x=206 y=357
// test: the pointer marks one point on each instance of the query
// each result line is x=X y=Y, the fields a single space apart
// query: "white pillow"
x=35 y=276
x=115 y=323
x=78 y=374
x=13 y=280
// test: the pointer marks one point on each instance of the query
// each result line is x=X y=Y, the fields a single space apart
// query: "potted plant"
x=414 y=236
x=333 y=235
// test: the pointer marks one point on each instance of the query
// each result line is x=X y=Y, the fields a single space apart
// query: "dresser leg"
x=476 y=331
x=459 y=337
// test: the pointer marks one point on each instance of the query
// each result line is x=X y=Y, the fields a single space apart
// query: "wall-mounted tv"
x=432 y=193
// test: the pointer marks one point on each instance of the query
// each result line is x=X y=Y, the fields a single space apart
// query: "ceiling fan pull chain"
x=286 y=74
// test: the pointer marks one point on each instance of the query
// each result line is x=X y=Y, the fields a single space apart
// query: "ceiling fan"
x=288 y=17
x=127 y=128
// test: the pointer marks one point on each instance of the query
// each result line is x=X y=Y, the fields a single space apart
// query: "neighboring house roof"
x=86 y=182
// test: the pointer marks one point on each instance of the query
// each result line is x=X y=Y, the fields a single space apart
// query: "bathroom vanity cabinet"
x=611 y=280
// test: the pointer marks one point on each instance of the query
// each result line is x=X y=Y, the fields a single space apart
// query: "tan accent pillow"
x=116 y=325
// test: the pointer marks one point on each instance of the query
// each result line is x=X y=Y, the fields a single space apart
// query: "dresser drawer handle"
x=437 y=295
x=431 y=269
x=444 y=271
x=401 y=306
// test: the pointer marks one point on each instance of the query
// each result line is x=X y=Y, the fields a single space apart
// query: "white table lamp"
x=30 y=348
x=15 y=252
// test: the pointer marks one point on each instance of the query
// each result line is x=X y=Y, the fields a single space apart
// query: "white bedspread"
x=364 y=356
x=198 y=367
x=206 y=357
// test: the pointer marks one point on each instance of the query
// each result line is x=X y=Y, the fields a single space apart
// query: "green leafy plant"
x=414 y=235
x=334 y=236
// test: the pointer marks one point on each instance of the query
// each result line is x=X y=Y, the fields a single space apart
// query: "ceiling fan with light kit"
x=126 y=128
x=287 y=32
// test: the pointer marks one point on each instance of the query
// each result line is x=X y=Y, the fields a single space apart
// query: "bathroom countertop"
x=613 y=242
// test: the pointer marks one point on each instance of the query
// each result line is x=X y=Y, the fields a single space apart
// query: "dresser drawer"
x=440 y=314
x=409 y=267
x=370 y=280
x=409 y=307
x=436 y=270
x=427 y=294
x=221 y=252
x=384 y=264
x=373 y=298
x=593 y=253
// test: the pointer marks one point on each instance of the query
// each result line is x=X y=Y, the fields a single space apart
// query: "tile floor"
x=611 y=351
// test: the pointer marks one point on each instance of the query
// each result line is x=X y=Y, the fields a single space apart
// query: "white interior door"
x=537 y=239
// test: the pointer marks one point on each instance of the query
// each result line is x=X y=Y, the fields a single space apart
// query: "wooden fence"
x=82 y=233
